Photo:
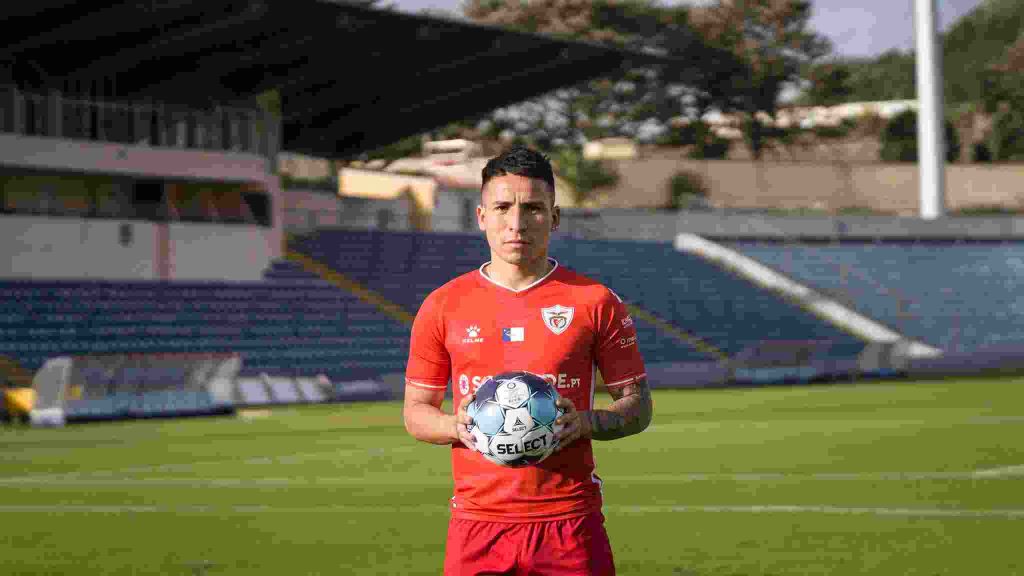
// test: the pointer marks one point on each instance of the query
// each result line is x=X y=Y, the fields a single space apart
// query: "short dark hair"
x=521 y=161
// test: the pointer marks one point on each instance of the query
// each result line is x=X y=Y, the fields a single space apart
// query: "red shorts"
x=573 y=547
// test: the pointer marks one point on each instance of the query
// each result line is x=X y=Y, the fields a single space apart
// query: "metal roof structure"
x=350 y=77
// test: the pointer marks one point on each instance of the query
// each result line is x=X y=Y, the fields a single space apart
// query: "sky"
x=857 y=28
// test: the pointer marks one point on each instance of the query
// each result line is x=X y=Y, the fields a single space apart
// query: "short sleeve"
x=618 y=353
x=429 y=365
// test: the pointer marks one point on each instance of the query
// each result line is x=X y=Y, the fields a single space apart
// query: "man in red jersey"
x=523 y=311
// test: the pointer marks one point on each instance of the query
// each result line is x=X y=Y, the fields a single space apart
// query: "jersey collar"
x=524 y=289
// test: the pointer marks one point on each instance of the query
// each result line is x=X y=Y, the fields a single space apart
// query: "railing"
x=54 y=115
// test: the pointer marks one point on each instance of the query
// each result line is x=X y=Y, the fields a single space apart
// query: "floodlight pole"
x=931 y=147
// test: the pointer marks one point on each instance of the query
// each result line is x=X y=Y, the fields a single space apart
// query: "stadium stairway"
x=693 y=312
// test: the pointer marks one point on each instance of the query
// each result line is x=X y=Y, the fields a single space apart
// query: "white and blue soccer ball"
x=514 y=419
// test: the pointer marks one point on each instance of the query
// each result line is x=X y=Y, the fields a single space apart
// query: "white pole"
x=931 y=146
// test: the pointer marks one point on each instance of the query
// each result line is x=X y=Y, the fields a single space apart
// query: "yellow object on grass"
x=20 y=400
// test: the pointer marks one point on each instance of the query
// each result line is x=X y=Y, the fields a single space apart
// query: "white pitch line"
x=188 y=466
x=200 y=482
x=1001 y=472
x=109 y=478
x=1006 y=514
x=1014 y=514
x=997 y=419
x=212 y=509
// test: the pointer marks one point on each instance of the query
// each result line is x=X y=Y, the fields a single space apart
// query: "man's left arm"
x=630 y=413
x=617 y=356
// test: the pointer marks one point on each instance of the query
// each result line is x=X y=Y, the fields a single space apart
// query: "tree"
x=635 y=103
x=1003 y=81
x=773 y=39
x=404 y=148
x=891 y=76
x=687 y=190
x=976 y=42
x=1006 y=100
x=583 y=174
x=899 y=139
x=829 y=84
x=970 y=47
x=1007 y=140
x=1013 y=60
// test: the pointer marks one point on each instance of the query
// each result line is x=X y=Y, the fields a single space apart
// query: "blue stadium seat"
x=262 y=320
x=722 y=310
x=954 y=295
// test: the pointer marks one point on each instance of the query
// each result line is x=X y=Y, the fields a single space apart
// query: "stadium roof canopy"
x=351 y=78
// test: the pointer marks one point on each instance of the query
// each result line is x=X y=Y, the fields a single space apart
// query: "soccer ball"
x=514 y=419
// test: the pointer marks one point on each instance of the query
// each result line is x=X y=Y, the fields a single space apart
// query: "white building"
x=102 y=190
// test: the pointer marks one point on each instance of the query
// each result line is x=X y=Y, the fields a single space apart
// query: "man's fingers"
x=566 y=437
x=570 y=429
x=465 y=437
x=462 y=414
x=464 y=420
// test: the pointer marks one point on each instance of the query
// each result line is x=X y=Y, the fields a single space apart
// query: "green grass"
x=874 y=478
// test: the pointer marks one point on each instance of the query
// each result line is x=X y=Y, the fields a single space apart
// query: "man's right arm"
x=423 y=416
x=425 y=420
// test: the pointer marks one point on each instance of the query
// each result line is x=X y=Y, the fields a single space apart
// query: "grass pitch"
x=881 y=478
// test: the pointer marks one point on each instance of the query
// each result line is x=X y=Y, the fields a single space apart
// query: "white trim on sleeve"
x=425 y=386
x=626 y=381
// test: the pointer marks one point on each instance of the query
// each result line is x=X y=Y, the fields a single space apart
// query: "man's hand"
x=462 y=422
x=629 y=414
x=574 y=424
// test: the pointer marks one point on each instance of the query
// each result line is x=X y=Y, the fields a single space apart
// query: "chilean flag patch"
x=513 y=334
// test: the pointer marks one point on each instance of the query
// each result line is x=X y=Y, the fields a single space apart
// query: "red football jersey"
x=565 y=327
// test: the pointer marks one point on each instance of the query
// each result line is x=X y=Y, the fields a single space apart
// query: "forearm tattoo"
x=629 y=414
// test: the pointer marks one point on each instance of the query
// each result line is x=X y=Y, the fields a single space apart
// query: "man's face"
x=517 y=215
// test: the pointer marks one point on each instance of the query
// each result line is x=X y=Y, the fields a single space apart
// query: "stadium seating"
x=688 y=293
x=291 y=325
x=956 y=296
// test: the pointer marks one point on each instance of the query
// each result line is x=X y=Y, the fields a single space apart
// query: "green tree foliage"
x=622 y=104
x=970 y=48
x=889 y=77
x=404 y=148
x=1003 y=82
x=977 y=42
x=899 y=139
x=829 y=84
x=583 y=174
x=687 y=190
x=774 y=39
x=704 y=142
x=1007 y=140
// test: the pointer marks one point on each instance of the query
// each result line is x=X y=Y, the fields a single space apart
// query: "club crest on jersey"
x=557 y=318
